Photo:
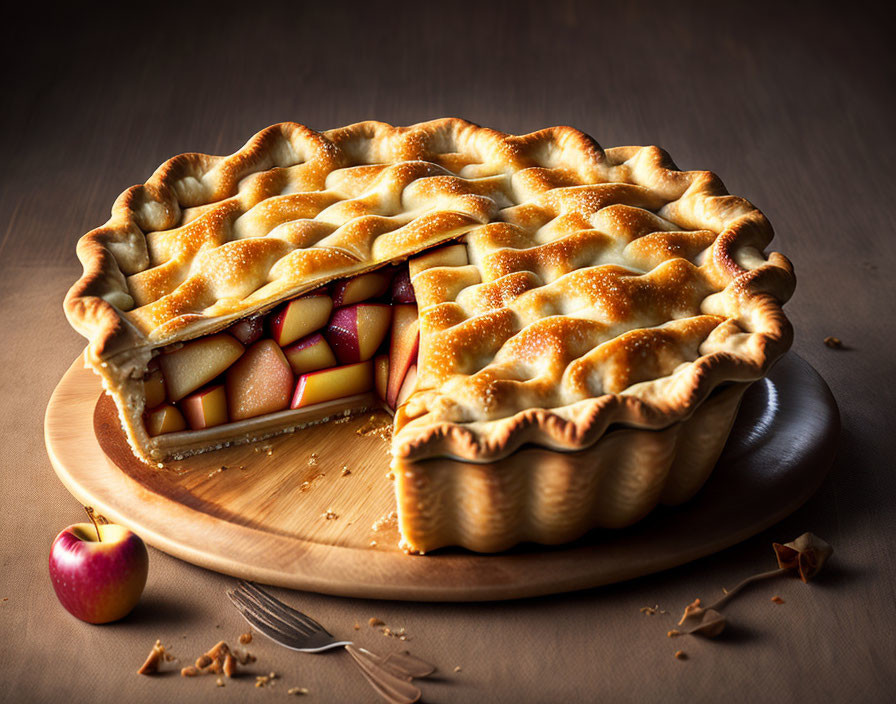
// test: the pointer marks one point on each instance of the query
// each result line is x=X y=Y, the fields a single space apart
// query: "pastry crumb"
x=357 y=626
x=457 y=668
x=345 y=471
x=400 y=633
x=384 y=521
x=306 y=485
x=778 y=600
x=835 y=343
x=312 y=460
x=244 y=657
x=219 y=682
x=674 y=632
x=375 y=427
x=153 y=660
x=297 y=690
x=681 y=655
x=374 y=622
x=265 y=680
x=330 y=515
x=219 y=660
x=246 y=638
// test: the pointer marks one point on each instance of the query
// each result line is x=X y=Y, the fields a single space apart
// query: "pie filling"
x=348 y=346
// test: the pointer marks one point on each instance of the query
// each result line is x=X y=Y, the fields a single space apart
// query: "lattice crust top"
x=603 y=286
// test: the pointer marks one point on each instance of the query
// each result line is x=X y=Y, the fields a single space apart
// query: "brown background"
x=792 y=106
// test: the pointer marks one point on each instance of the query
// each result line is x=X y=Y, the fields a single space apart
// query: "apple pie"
x=562 y=332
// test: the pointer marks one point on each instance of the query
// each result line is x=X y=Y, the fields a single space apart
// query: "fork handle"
x=404 y=664
x=395 y=689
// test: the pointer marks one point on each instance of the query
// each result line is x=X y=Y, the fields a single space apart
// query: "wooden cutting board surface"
x=314 y=510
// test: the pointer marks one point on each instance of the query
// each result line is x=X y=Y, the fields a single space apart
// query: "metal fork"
x=390 y=676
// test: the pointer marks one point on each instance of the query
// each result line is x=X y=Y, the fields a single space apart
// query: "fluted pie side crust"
x=604 y=287
x=548 y=497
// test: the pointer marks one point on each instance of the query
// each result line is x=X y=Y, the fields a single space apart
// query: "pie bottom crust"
x=544 y=496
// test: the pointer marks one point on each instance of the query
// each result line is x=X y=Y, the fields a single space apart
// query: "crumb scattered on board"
x=330 y=515
x=246 y=638
x=777 y=599
x=835 y=343
x=378 y=427
x=299 y=691
x=382 y=522
x=306 y=485
x=681 y=655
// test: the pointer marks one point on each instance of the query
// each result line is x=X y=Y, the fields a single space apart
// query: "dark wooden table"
x=791 y=104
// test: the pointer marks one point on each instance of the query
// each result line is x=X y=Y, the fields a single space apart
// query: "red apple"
x=299 y=317
x=370 y=285
x=330 y=384
x=403 y=348
x=402 y=291
x=310 y=354
x=381 y=374
x=355 y=332
x=248 y=330
x=96 y=580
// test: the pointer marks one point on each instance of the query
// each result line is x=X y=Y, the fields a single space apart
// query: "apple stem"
x=92 y=517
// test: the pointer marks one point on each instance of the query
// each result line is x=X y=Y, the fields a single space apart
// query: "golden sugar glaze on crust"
x=603 y=286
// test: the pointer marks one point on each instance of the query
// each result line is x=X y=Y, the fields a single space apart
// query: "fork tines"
x=251 y=598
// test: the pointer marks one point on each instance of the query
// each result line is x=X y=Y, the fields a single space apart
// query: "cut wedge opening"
x=356 y=339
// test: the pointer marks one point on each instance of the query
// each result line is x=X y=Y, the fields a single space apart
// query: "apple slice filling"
x=356 y=336
x=355 y=339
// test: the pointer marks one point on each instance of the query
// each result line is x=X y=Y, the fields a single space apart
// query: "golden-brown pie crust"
x=604 y=287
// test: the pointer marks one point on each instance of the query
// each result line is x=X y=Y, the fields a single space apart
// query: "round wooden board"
x=258 y=511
